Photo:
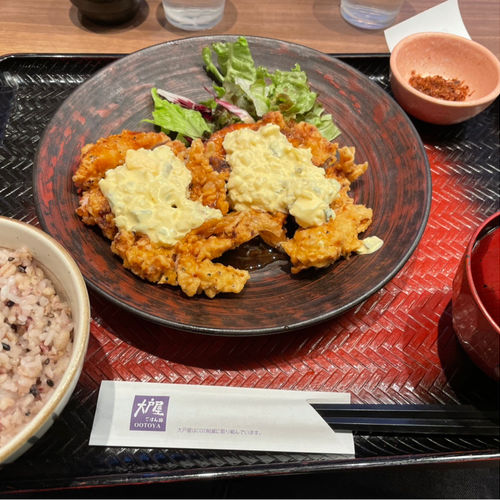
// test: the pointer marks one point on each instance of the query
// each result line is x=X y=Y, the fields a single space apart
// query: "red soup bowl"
x=476 y=297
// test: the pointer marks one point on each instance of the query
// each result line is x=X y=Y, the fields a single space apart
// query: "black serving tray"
x=31 y=89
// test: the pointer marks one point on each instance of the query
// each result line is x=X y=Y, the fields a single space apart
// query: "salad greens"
x=241 y=92
x=172 y=117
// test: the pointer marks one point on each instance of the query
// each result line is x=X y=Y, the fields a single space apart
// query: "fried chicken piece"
x=151 y=261
x=105 y=154
x=338 y=162
x=322 y=245
x=305 y=135
x=319 y=246
x=196 y=273
x=301 y=135
x=94 y=210
x=160 y=263
x=207 y=184
x=109 y=152
x=216 y=236
x=195 y=277
x=189 y=263
x=345 y=170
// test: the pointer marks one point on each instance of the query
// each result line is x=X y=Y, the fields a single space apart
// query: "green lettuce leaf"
x=321 y=120
x=234 y=59
x=258 y=91
x=174 y=118
x=291 y=94
x=242 y=83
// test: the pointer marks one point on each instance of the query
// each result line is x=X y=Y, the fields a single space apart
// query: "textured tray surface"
x=397 y=347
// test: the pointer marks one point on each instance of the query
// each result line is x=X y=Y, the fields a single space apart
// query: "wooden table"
x=55 y=26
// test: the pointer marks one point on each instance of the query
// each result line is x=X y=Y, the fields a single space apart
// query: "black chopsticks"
x=410 y=419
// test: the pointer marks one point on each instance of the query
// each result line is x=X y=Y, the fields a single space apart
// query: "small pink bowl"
x=476 y=297
x=452 y=57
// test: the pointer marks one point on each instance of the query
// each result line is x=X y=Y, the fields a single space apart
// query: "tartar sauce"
x=149 y=194
x=269 y=173
x=369 y=245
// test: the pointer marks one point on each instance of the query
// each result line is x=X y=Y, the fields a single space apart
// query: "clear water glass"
x=193 y=15
x=370 y=14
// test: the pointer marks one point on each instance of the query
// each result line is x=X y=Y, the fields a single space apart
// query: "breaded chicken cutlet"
x=189 y=263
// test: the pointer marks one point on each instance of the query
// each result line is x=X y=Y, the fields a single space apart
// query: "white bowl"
x=61 y=269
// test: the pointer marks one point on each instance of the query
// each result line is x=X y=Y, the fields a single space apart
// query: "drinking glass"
x=194 y=15
x=370 y=14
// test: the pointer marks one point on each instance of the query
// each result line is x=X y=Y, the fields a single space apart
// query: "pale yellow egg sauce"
x=149 y=194
x=269 y=173
x=369 y=245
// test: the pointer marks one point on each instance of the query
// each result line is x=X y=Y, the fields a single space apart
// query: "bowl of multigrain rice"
x=44 y=333
x=442 y=78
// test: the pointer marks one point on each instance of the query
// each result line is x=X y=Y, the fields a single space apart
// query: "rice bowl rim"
x=80 y=311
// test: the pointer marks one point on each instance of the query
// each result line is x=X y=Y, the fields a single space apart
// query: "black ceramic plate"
x=397 y=186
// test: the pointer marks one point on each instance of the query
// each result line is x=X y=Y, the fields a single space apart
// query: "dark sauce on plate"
x=252 y=255
x=255 y=254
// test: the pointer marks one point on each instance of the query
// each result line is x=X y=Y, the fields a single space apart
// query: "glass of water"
x=370 y=14
x=193 y=15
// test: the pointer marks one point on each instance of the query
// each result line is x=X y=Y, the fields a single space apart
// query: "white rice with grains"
x=36 y=334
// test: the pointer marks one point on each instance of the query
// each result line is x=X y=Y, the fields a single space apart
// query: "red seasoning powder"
x=439 y=87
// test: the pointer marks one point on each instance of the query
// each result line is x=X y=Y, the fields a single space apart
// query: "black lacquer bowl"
x=397 y=186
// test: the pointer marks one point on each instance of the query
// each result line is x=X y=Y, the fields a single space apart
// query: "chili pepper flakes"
x=440 y=87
